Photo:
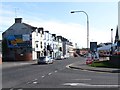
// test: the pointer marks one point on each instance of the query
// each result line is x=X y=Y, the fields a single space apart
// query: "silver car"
x=59 y=57
x=44 y=60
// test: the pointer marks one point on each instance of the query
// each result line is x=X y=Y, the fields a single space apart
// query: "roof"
x=107 y=47
x=32 y=27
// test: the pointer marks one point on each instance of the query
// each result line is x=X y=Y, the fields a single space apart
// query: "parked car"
x=59 y=57
x=66 y=56
x=45 y=60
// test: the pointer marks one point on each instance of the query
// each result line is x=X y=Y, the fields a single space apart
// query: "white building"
x=37 y=43
x=22 y=41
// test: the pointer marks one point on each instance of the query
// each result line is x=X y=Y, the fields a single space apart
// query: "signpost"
x=93 y=46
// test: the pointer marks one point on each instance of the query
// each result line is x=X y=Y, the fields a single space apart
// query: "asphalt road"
x=56 y=75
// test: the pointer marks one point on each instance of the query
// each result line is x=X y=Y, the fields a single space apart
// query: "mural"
x=19 y=41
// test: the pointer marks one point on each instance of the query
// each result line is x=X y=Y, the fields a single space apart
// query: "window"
x=60 y=48
x=41 y=35
x=41 y=43
x=36 y=32
x=36 y=45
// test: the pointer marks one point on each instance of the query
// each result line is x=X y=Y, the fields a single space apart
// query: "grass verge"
x=105 y=64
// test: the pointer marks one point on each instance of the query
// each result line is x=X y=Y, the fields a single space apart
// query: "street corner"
x=95 y=69
x=77 y=66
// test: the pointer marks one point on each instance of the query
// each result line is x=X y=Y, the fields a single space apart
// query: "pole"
x=112 y=36
x=111 y=41
x=87 y=26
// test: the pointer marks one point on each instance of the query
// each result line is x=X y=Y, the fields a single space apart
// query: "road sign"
x=93 y=46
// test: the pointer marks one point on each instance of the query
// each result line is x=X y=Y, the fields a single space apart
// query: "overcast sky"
x=56 y=18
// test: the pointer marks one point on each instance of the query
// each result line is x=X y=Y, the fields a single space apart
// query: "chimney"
x=18 y=20
x=41 y=29
x=54 y=35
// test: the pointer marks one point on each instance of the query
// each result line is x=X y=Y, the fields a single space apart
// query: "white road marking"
x=69 y=65
x=43 y=76
x=91 y=86
x=35 y=79
x=20 y=89
x=75 y=84
x=49 y=73
x=83 y=79
x=28 y=82
x=35 y=82
x=56 y=71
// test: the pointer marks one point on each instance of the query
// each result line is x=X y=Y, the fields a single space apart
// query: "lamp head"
x=72 y=12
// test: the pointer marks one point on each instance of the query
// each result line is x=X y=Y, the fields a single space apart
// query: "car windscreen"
x=41 y=58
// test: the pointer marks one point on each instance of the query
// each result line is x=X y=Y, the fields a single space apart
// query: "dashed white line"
x=35 y=82
x=75 y=84
x=20 y=89
x=89 y=85
x=11 y=88
x=56 y=71
x=43 y=76
x=49 y=73
x=83 y=79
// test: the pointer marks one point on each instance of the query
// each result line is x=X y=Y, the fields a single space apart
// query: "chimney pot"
x=18 y=20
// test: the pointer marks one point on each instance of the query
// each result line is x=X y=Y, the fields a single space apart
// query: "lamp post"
x=87 y=26
x=112 y=36
x=111 y=41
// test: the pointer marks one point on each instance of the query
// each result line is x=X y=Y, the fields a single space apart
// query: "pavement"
x=83 y=66
x=17 y=64
x=77 y=65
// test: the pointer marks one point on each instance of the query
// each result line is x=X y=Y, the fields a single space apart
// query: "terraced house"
x=22 y=41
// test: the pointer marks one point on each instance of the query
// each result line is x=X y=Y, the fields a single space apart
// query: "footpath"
x=17 y=64
x=82 y=65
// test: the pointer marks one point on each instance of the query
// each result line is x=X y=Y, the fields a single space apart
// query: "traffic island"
x=106 y=64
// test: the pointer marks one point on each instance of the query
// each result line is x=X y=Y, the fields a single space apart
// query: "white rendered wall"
x=119 y=19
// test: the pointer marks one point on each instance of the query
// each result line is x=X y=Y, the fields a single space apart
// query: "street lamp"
x=87 y=26
x=111 y=41
x=112 y=36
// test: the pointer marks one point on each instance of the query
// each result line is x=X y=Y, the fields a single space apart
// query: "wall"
x=17 y=52
x=119 y=22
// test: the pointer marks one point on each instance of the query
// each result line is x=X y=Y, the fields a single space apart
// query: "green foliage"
x=105 y=64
